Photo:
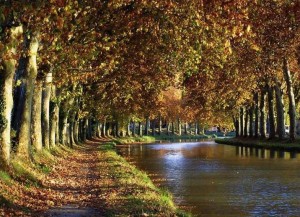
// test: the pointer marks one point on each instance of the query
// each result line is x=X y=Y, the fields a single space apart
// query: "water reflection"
x=219 y=180
x=265 y=153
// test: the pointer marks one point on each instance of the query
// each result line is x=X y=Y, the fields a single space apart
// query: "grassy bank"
x=151 y=139
x=132 y=191
x=262 y=143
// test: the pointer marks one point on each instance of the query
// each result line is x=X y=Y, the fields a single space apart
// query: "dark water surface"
x=211 y=179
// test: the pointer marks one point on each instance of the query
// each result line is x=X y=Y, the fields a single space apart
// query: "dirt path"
x=77 y=181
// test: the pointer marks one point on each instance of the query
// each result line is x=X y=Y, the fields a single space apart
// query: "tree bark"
x=140 y=129
x=173 y=128
x=133 y=128
x=23 y=149
x=6 y=95
x=256 y=113
x=54 y=115
x=46 y=110
x=37 y=117
x=271 y=111
x=153 y=127
x=280 y=111
x=262 y=114
x=292 y=104
x=241 y=122
x=236 y=126
x=160 y=125
x=103 y=130
x=246 y=123
x=146 y=127
x=251 y=121
x=179 y=127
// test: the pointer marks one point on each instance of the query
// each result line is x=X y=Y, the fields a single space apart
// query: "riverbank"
x=90 y=180
x=276 y=144
x=163 y=137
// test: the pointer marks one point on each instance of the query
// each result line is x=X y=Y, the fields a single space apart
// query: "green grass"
x=136 y=139
x=263 y=143
x=135 y=195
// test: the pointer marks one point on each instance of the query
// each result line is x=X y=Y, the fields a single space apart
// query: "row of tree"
x=67 y=64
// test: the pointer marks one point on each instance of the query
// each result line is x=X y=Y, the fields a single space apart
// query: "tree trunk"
x=292 y=104
x=84 y=129
x=153 y=127
x=140 y=129
x=271 y=111
x=6 y=95
x=23 y=149
x=236 y=126
x=246 y=123
x=196 y=128
x=160 y=125
x=179 y=127
x=103 y=130
x=256 y=113
x=262 y=114
x=46 y=110
x=37 y=117
x=128 y=129
x=76 y=131
x=251 y=121
x=146 y=127
x=133 y=128
x=54 y=115
x=64 y=129
x=173 y=128
x=280 y=111
x=241 y=122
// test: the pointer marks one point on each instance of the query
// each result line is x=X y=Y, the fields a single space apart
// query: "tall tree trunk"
x=241 y=122
x=185 y=128
x=37 y=117
x=146 y=127
x=153 y=127
x=251 y=121
x=6 y=95
x=128 y=129
x=64 y=128
x=140 y=129
x=280 y=111
x=246 y=122
x=23 y=149
x=179 y=127
x=236 y=126
x=133 y=128
x=46 y=109
x=173 y=128
x=271 y=111
x=256 y=113
x=262 y=113
x=54 y=116
x=84 y=129
x=76 y=130
x=160 y=125
x=196 y=128
x=103 y=130
x=292 y=104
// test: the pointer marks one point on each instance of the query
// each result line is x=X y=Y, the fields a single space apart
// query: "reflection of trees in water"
x=265 y=153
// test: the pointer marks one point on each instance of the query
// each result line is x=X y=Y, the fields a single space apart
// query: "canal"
x=210 y=179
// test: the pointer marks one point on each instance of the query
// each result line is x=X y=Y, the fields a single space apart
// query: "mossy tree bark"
x=179 y=126
x=6 y=92
x=23 y=149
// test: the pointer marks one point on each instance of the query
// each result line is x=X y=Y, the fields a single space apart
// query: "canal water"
x=210 y=179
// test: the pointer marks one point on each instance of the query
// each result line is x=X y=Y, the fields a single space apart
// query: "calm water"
x=210 y=179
